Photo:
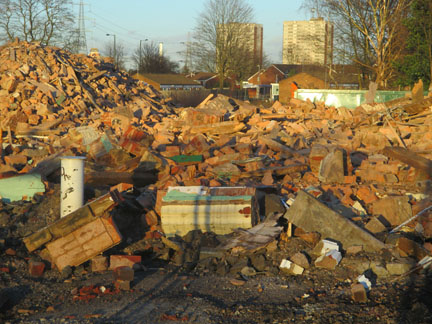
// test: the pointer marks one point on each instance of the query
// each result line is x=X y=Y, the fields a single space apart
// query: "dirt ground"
x=174 y=296
x=206 y=291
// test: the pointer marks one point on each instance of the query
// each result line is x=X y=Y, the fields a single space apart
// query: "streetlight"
x=115 y=51
x=140 y=54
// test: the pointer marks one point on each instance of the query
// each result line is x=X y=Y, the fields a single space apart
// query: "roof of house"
x=305 y=81
x=167 y=79
x=340 y=73
x=201 y=76
x=256 y=73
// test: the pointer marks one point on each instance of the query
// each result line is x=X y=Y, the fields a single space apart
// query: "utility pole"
x=81 y=39
x=188 y=54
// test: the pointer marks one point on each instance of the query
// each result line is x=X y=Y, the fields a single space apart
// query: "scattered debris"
x=225 y=189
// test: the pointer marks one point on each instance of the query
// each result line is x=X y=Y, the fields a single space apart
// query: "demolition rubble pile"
x=53 y=103
x=341 y=179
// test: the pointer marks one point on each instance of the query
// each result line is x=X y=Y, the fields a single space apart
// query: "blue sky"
x=170 y=22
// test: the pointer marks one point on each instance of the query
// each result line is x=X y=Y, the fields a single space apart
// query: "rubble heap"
x=319 y=185
x=53 y=100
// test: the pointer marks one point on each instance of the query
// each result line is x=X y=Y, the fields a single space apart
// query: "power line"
x=118 y=26
x=130 y=33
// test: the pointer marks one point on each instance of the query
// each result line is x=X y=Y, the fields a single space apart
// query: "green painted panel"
x=346 y=98
x=17 y=187
x=175 y=195
x=187 y=158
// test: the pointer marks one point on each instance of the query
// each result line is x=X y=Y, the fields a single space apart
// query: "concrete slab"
x=311 y=215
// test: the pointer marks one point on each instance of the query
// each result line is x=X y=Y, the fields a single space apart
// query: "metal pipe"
x=71 y=184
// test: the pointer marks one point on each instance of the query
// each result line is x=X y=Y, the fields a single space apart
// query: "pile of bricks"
x=52 y=101
x=371 y=164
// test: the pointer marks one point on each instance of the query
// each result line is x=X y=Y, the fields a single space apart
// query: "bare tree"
x=371 y=28
x=46 y=21
x=117 y=54
x=220 y=44
x=148 y=59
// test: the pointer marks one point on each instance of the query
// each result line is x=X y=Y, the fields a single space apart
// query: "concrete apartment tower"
x=253 y=34
x=307 y=42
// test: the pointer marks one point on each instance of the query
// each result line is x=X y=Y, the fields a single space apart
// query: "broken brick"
x=124 y=261
x=366 y=195
x=124 y=273
x=122 y=285
x=36 y=268
x=359 y=293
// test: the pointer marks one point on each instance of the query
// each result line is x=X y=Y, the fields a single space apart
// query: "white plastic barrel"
x=71 y=184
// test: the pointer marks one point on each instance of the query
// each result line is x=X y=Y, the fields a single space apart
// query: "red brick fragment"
x=36 y=268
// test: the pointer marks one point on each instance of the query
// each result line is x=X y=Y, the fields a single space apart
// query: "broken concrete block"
x=398 y=268
x=332 y=167
x=359 y=265
x=379 y=269
x=313 y=216
x=395 y=209
x=329 y=246
x=290 y=267
x=375 y=226
x=301 y=259
x=359 y=293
